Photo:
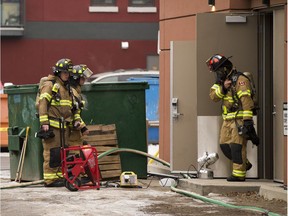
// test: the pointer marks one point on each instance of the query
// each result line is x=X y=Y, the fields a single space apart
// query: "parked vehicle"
x=122 y=75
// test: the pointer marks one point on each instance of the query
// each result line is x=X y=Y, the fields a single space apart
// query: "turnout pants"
x=51 y=153
x=75 y=139
x=233 y=146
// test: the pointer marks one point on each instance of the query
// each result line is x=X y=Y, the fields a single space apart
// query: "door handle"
x=175 y=115
x=175 y=112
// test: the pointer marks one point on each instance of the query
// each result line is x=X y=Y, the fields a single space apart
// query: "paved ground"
x=149 y=199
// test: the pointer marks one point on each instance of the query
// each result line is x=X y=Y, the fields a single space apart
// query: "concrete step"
x=266 y=188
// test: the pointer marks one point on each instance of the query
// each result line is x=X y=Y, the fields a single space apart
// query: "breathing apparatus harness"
x=57 y=97
x=246 y=130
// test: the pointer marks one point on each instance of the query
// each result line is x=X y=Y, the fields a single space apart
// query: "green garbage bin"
x=21 y=114
x=122 y=104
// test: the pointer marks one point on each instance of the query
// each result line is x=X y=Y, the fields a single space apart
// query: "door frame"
x=265 y=95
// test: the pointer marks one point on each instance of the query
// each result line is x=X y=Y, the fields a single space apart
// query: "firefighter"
x=56 y=102
x=234 y=90
x=77 y=79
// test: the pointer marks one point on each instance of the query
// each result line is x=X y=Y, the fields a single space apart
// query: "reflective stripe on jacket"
x=52 y=108
x=79 y=98
x=237 y=102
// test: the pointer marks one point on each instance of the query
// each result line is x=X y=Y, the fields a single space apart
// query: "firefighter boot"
x=85 y=180
x=248 y=165
x=56 y=183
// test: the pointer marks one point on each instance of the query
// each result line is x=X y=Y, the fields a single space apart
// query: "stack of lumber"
x=104 y=138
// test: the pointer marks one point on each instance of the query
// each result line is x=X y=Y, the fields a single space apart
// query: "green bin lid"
x=21 y=89
x=119 y=86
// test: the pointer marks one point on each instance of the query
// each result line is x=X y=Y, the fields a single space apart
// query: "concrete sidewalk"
x=266 y=188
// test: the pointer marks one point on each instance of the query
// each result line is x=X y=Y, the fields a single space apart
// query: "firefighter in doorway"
x=56 y=102
x=233 y=88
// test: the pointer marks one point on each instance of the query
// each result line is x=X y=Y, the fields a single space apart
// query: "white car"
x=122 y=76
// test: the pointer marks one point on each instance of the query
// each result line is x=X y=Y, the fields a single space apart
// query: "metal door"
x=278 y=93
x=195 y=119
x=183 y=106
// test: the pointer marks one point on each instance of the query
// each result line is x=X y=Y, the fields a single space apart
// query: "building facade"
x=104 y=34
x=254 y=32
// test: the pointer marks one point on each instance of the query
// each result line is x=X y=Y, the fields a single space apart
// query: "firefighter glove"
x=45 y=134
x=84 y=130
x=249 y=132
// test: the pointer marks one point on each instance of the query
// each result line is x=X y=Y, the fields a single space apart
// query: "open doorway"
x=271 y=91
x=265 y=92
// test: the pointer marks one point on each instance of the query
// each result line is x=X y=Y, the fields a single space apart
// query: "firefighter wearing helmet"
x=233 y=88
x=77 y=79
x=55 y=102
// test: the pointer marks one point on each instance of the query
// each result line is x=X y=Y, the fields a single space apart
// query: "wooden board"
x=104 y=138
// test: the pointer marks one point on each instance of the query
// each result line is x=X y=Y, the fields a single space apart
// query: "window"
x=142 y=3
x=103 y=6
x=11 y=13
x=12 y=17
x=103 y=3
x=142 y=6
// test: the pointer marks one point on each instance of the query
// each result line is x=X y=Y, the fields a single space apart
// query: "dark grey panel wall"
x=85 y=30
x=214 y=35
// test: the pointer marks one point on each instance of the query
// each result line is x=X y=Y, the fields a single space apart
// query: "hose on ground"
x=217 y=202
x=25 y=184
x=111 y=151
x=173 y=187
x=114 y=150
x=187 y=193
